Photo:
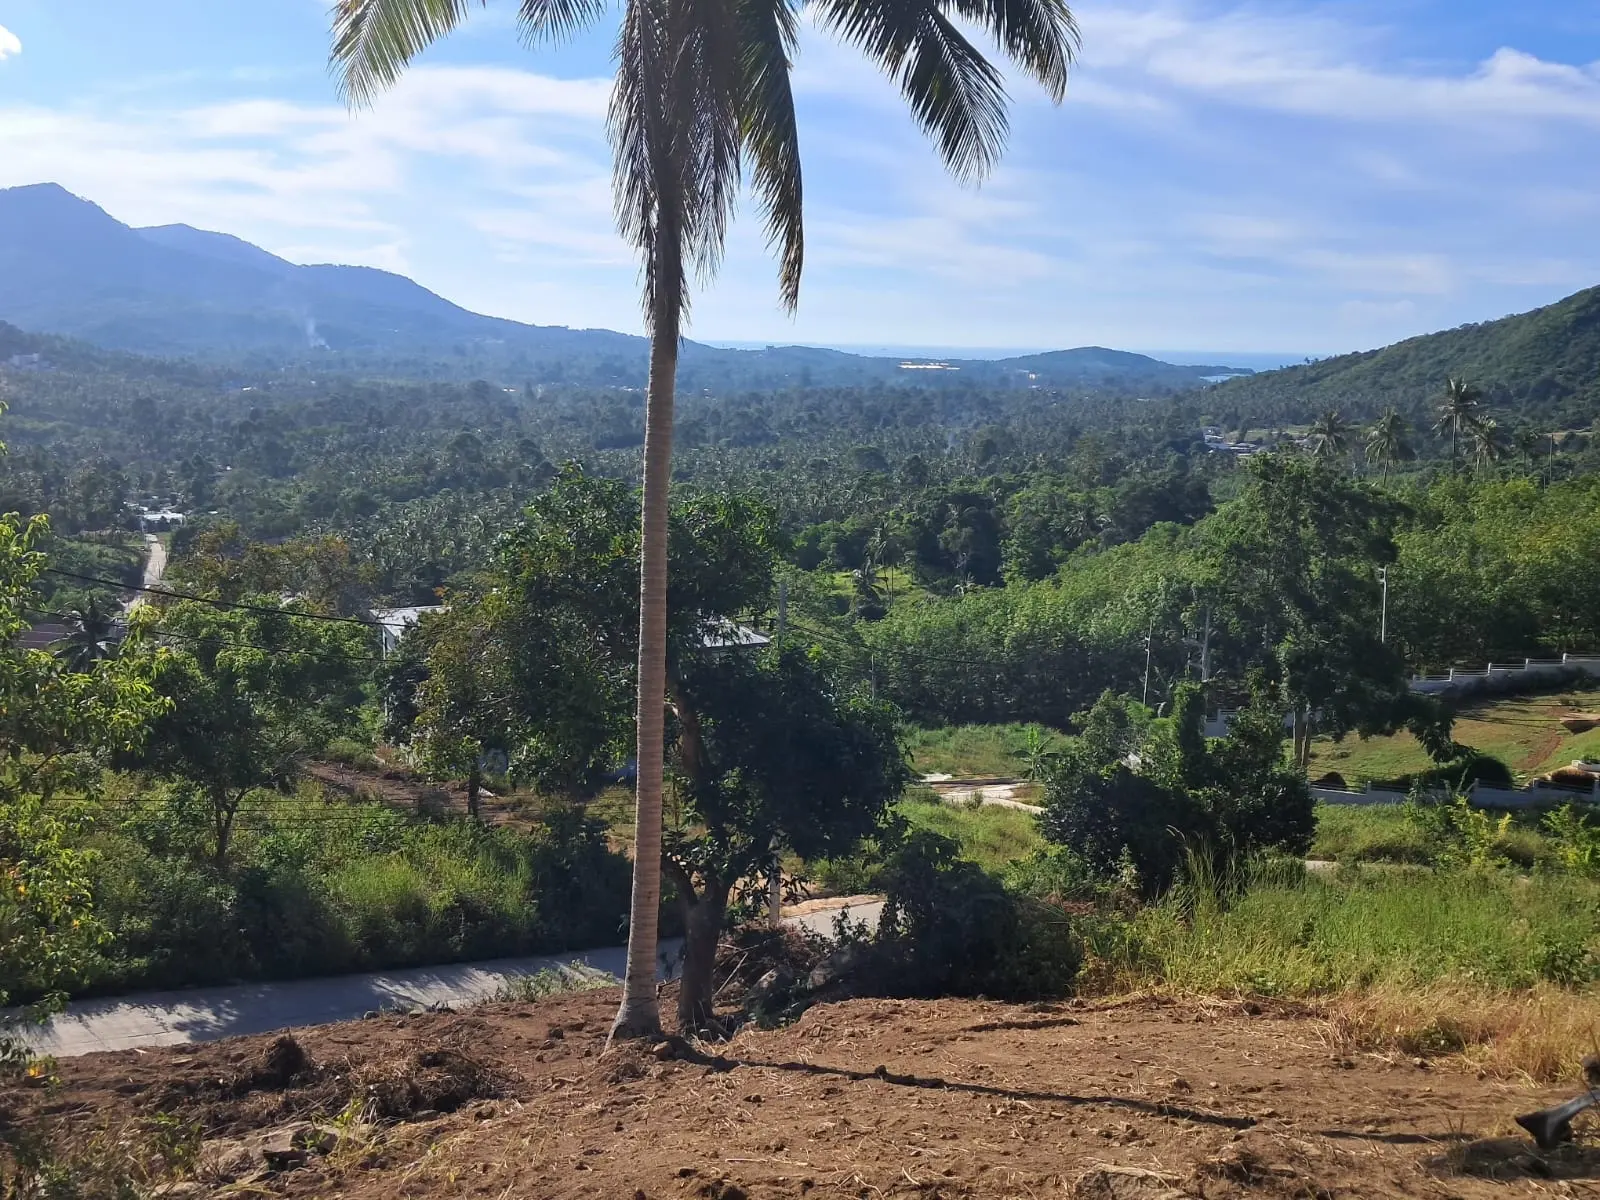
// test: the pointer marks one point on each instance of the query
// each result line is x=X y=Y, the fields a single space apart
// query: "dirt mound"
x=427 y=1082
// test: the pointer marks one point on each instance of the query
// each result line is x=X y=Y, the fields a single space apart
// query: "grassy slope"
x=991 y=836
x=1522 y=732
x=970 y=750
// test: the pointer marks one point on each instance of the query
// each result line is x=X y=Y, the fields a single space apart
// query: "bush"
x=951 y=929
x=325 y=888
x=1116 y=814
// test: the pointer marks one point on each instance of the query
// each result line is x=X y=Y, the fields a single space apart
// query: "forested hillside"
x=1541 y=366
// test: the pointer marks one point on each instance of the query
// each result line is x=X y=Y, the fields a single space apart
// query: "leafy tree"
x=1132 y=792
x=54 y=723
x=773 y=751
x=700 y=91
x=1388 y=442
x=249 y=693
x=1457 y=412
x=1293 y=559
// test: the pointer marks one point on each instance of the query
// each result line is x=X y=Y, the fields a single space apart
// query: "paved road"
x=155 y=563
x=155 y=566
x=205 y=1014
x=1000 y=793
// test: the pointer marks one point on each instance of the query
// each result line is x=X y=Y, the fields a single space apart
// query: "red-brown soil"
x=865 y=1098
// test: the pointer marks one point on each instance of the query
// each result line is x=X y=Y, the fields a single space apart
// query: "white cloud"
x=1310 y=64
x=10 y=44
x=1255 y=177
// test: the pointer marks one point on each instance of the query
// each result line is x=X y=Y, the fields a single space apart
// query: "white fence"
x=1509 y=677
x=1496 y=678
x=1539 y=795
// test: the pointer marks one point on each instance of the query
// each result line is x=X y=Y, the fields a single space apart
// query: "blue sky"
x=1276 y=176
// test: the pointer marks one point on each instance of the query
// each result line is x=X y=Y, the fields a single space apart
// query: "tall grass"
x=317 y=887
x=990 y=835
x=967 y=750
x=1374 y=927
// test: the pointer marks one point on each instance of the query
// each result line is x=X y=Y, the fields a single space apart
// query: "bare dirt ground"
x=864 y=1098
x=401 y=789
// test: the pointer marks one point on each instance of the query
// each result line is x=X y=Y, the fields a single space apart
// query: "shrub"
x=323 y=888
x=950 y=928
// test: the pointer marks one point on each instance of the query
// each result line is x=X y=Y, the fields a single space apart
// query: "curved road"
x=205 y=1014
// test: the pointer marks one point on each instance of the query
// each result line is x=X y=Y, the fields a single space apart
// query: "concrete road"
x=205 y=1014
x=1001 y=793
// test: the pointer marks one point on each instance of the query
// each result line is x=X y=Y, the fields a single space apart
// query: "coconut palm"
x=1457 y=412
x=1329 y=436
x=1388 y=441
x=1529 y=442
x=92 y=636
x=702 y=92
x=1488 y=441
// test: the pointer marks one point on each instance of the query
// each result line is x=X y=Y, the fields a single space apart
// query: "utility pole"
x=775 y=881
x=1383 y=610
x=1148 y=638
x=1205 y=649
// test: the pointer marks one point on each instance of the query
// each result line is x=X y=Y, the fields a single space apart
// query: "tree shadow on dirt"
x=1149 y=1107
x=1510 y=1158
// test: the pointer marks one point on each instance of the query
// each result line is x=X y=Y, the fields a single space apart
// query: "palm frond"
x=1040 y=36
x=556 y=20
x=770 y=134
x=954 y=92
x=675 y=134
x=635 y=125
x=705 y=96
x=374 y=40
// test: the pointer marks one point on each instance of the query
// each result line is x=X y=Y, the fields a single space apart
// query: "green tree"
x=702 y=89
x=773 y=752
x=54 y=722
x=1290 y=562
x=1388 y=442
x=1146 y=793
x=249 y=693
x=1457 y=413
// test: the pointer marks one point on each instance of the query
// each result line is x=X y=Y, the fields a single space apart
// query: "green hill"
x=1542 y=366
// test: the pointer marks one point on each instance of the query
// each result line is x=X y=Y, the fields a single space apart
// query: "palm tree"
x=1528 y=443
x=93 y=636
x=703 y=91
x=1488 y=441
x=1330 y=435
x=1457 y=412
x=1388 y=443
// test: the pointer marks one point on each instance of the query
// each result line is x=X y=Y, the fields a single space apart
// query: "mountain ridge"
x=69 y=267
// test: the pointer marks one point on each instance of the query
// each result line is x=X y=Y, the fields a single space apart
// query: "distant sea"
x=1255 y=360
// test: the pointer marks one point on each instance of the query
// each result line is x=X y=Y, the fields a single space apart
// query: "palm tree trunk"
x=640 y=1015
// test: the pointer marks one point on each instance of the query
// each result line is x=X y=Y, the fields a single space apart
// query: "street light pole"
x=1148 y=638
x=1383 y=611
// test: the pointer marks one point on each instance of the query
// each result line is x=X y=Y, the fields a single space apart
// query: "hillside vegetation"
x=1544 y=362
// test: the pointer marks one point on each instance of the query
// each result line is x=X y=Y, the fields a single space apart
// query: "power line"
x=196 y=637
x=238 y=604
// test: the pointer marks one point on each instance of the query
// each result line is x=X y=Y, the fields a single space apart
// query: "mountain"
x=69 y=267
x=1543 y=364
